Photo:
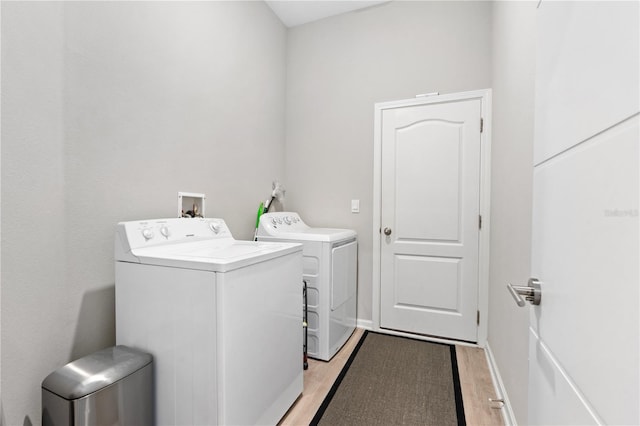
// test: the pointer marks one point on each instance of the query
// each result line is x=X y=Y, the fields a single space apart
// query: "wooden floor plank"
x=477 y=387
x=475 y=381
x=318 y=379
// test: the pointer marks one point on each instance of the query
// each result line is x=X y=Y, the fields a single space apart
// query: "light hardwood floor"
x=475 y=381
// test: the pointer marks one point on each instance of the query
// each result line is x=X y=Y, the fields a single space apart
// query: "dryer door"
x=344 y=259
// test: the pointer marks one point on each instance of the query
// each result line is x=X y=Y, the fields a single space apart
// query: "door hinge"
x=481 y=124
x=478 y=318
x=479 y=221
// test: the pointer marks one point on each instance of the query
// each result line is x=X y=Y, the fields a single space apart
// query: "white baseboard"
x=366 y=324
x=507 y=412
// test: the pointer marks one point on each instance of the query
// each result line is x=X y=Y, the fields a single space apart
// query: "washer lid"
x=213 y=255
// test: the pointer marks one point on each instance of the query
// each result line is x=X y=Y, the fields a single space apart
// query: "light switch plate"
x=355 y=206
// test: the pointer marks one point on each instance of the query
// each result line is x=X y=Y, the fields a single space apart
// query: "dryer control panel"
x=284 y=220
x=289 y=226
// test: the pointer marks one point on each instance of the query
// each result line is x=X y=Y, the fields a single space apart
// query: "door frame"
x=484 y=96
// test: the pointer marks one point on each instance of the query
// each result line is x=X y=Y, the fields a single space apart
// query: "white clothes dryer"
x=330 y=259
x=222 y=319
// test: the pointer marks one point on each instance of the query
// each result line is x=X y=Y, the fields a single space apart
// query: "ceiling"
x=298 y=12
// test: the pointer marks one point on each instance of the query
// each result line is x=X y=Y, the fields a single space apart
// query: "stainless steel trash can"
x=113 y=386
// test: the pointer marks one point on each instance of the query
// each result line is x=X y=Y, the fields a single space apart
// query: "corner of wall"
x=508 y=416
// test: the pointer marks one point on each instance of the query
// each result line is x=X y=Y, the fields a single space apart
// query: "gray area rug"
x=391 y=380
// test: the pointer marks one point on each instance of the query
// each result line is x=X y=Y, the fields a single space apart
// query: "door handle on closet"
x=387 y=231
x=531 y=292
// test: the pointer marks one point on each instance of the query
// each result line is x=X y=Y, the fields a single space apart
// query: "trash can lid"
x=94 y=372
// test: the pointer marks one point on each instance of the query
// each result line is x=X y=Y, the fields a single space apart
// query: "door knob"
x=387 y=231
x=531 y=292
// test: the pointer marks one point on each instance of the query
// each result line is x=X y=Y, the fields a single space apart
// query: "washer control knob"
x=215 y=227
x=279 y=220
x=147 y=233
x=164 y=230
x=273 y=221
x=287 y=220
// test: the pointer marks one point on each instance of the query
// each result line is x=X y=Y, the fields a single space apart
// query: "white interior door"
x=583 y=353
x=430 y=186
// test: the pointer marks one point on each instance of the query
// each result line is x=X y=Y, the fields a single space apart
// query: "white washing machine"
x=330 y=259
x=222 y=319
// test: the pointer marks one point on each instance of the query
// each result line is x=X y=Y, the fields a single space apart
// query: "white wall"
x=337 y=68
x=37 y=315
x=514 y=34
x=108 y=110
x=1 y=411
